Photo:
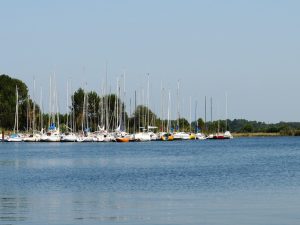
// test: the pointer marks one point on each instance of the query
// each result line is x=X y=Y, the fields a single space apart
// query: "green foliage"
x=181 y=125
x=8 y=102
x=287 y=131
x=140 y=118
x=77 y=104
x=100 y=111
x=248 y=128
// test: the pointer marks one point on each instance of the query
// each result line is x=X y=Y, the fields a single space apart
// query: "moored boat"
x=15 y=138
x=32 y=138
x=122 y=139
x=166 y=137
x=142 y=136
x=200 y=136
x=68 y=137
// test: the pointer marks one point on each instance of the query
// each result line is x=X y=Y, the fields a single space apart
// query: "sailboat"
x=179 y=134
x=69 y=136
x=222 y=136
x=199 y=134
x=142 y=135
x=53 y=134
x=121 y=134
x=86 y=135
x=167 y=136
x=34 y=136
x=16 y=137
x=227 y=134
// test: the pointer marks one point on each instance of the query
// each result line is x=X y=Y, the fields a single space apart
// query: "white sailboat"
x=142 y=135
x=34 y=136
x=53 y=133
x=16 y=137
x=227 y=134
x=68 y=136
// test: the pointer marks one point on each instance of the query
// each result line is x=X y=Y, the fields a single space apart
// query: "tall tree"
x=8 y=102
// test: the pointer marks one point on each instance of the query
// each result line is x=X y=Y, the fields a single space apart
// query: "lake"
x=241 y=181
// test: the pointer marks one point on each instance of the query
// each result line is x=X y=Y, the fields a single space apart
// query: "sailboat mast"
x=50 y=102
x=130 y=113
x=33 y=113
x=83 y=112
x=226 y=114
x=17 y=109
x=27 y=113
x=87 y=110
x=55 y=98
x=117 y=105
x=163 y=101
x=16 y=126
x=124 y=97
x=106 y=99
x=161 y=106
x=205 y=115
x=73 y=110
x=178 y=114
x=101 y=107
x=134 y=121
x=67 y=123
x=190 y=113
x=148 y=102
x=143 y=108
x=196 y=120
x=169 y=105
x=211 y=109
x=41 y=109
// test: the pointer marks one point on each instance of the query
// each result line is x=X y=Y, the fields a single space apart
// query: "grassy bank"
x=259 y=134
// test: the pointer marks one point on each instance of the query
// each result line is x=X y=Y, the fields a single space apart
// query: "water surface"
x=240 y=181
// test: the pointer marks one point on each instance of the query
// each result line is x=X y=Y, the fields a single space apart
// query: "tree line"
x=88 y=110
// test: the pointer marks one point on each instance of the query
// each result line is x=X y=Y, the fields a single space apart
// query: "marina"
x=107 y=120
x=54 y=136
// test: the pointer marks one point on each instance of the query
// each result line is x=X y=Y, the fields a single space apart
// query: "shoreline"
x=235 y=135
x=258 y=134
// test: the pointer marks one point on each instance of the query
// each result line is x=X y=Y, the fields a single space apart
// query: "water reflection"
x=13 y=209
x=151 y=208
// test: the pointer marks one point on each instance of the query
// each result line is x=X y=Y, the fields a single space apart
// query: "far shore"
x=259 y=134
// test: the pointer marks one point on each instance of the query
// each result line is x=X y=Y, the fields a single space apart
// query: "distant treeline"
x=245 y=126
x=92 y=111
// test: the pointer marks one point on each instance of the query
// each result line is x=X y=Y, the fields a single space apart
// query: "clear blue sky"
x=250 y=49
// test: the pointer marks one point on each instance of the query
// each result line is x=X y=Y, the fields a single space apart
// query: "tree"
x=201 y=124
x=140 y=117
x=77 y=103
x=93 y=109
x=184 y=125
x=248 y=128
x=8 y=102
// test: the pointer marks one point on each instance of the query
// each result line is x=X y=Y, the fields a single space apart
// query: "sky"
x=247 y=49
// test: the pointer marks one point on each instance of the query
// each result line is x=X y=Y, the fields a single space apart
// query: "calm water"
x=241 y=181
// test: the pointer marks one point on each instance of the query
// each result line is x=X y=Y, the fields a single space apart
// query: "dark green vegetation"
x=8 y=102
x=94 y=111
x=245 y=126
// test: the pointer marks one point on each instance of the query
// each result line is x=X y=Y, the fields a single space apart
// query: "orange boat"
x=122 y=139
